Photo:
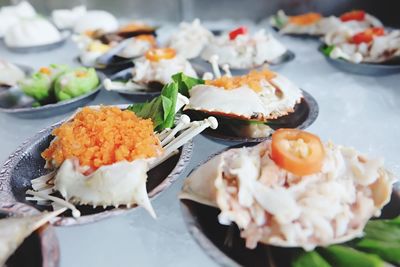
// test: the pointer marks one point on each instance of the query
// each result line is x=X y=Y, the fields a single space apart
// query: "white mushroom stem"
x=227 y=70
x=183 y=120
x=48 y=217
x=208 y=76
x=181 y=101
x=214 y=64
x=75 y=212
x=129 y=85
x=194 y=129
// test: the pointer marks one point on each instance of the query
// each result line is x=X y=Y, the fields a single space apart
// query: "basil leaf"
x=185 y=83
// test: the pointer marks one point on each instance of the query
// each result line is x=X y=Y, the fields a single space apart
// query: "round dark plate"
x=125 y=75
x=225 y=246
x=26 y=164
x=15 y=102
x=40 y=48
x=298 y=35
x=201 y=66
x=305 y=113
x=40 y=249
x=116 y=64
x=369 y=69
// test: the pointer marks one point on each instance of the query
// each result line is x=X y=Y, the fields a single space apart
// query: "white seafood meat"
x=277 y=98
x=273 y=206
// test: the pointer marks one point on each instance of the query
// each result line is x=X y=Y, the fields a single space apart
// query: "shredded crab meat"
x=273 y=206
x=170 y=140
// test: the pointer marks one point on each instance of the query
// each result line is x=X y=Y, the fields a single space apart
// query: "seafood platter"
x=140 y=142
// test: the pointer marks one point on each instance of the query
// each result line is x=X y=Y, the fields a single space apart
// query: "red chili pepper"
x=368 y=35
x=236 y=32
x=358 y=15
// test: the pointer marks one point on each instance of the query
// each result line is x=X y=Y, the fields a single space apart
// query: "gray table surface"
x=358 y=111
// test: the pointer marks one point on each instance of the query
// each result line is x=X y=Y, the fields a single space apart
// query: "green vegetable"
x=382 y=237
x=75 y=83
x=279 y=22
x=37 y=86
x=40 y=84
x=343 y=256
x=161 y=110
x=310 y=259
x=185 y=83
x=327 y=49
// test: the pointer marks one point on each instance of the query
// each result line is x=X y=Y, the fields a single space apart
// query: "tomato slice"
x=297 y=151
x=358 y=15
x=236 y=32
x=157 y=54
x=368 y=35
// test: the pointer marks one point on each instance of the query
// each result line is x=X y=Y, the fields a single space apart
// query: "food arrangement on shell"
x=292 y=192
x=282 y=197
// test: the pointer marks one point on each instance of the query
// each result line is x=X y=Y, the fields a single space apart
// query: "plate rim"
x=127 y=92
x=371 y=66
x=101 y=76
x=65 y=35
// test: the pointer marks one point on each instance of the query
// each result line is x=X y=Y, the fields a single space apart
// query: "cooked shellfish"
x=274 y=206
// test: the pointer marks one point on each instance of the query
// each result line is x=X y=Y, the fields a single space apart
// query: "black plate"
x=299 y=35
x=26 y=164
x=201 y=66
x=225 y=246
x=40 y=249
x=305 y=113
x=15 y=102
x=116 y=64
x=369 y=69
x=125 y=75
x=40 y=48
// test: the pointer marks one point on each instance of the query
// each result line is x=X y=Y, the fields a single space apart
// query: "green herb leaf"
x=185 y=83
x=382 y=237
x=310 y=259
x=327 y=49
x=343 y=256
x=161 y=110
x=279 y=23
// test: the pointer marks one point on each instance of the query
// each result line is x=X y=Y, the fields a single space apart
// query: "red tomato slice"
x=297 y=151
x=368 y=35
x=236 y=32
x=358 y=15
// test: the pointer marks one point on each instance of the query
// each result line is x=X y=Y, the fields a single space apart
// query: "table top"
x=358 y=111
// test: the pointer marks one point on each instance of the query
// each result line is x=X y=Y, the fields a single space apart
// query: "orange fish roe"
x=98 y=137
x=252 y=79
x=305 y=19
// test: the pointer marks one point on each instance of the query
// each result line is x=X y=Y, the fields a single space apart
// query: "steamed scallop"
x=274 y=206
x=259 y=95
